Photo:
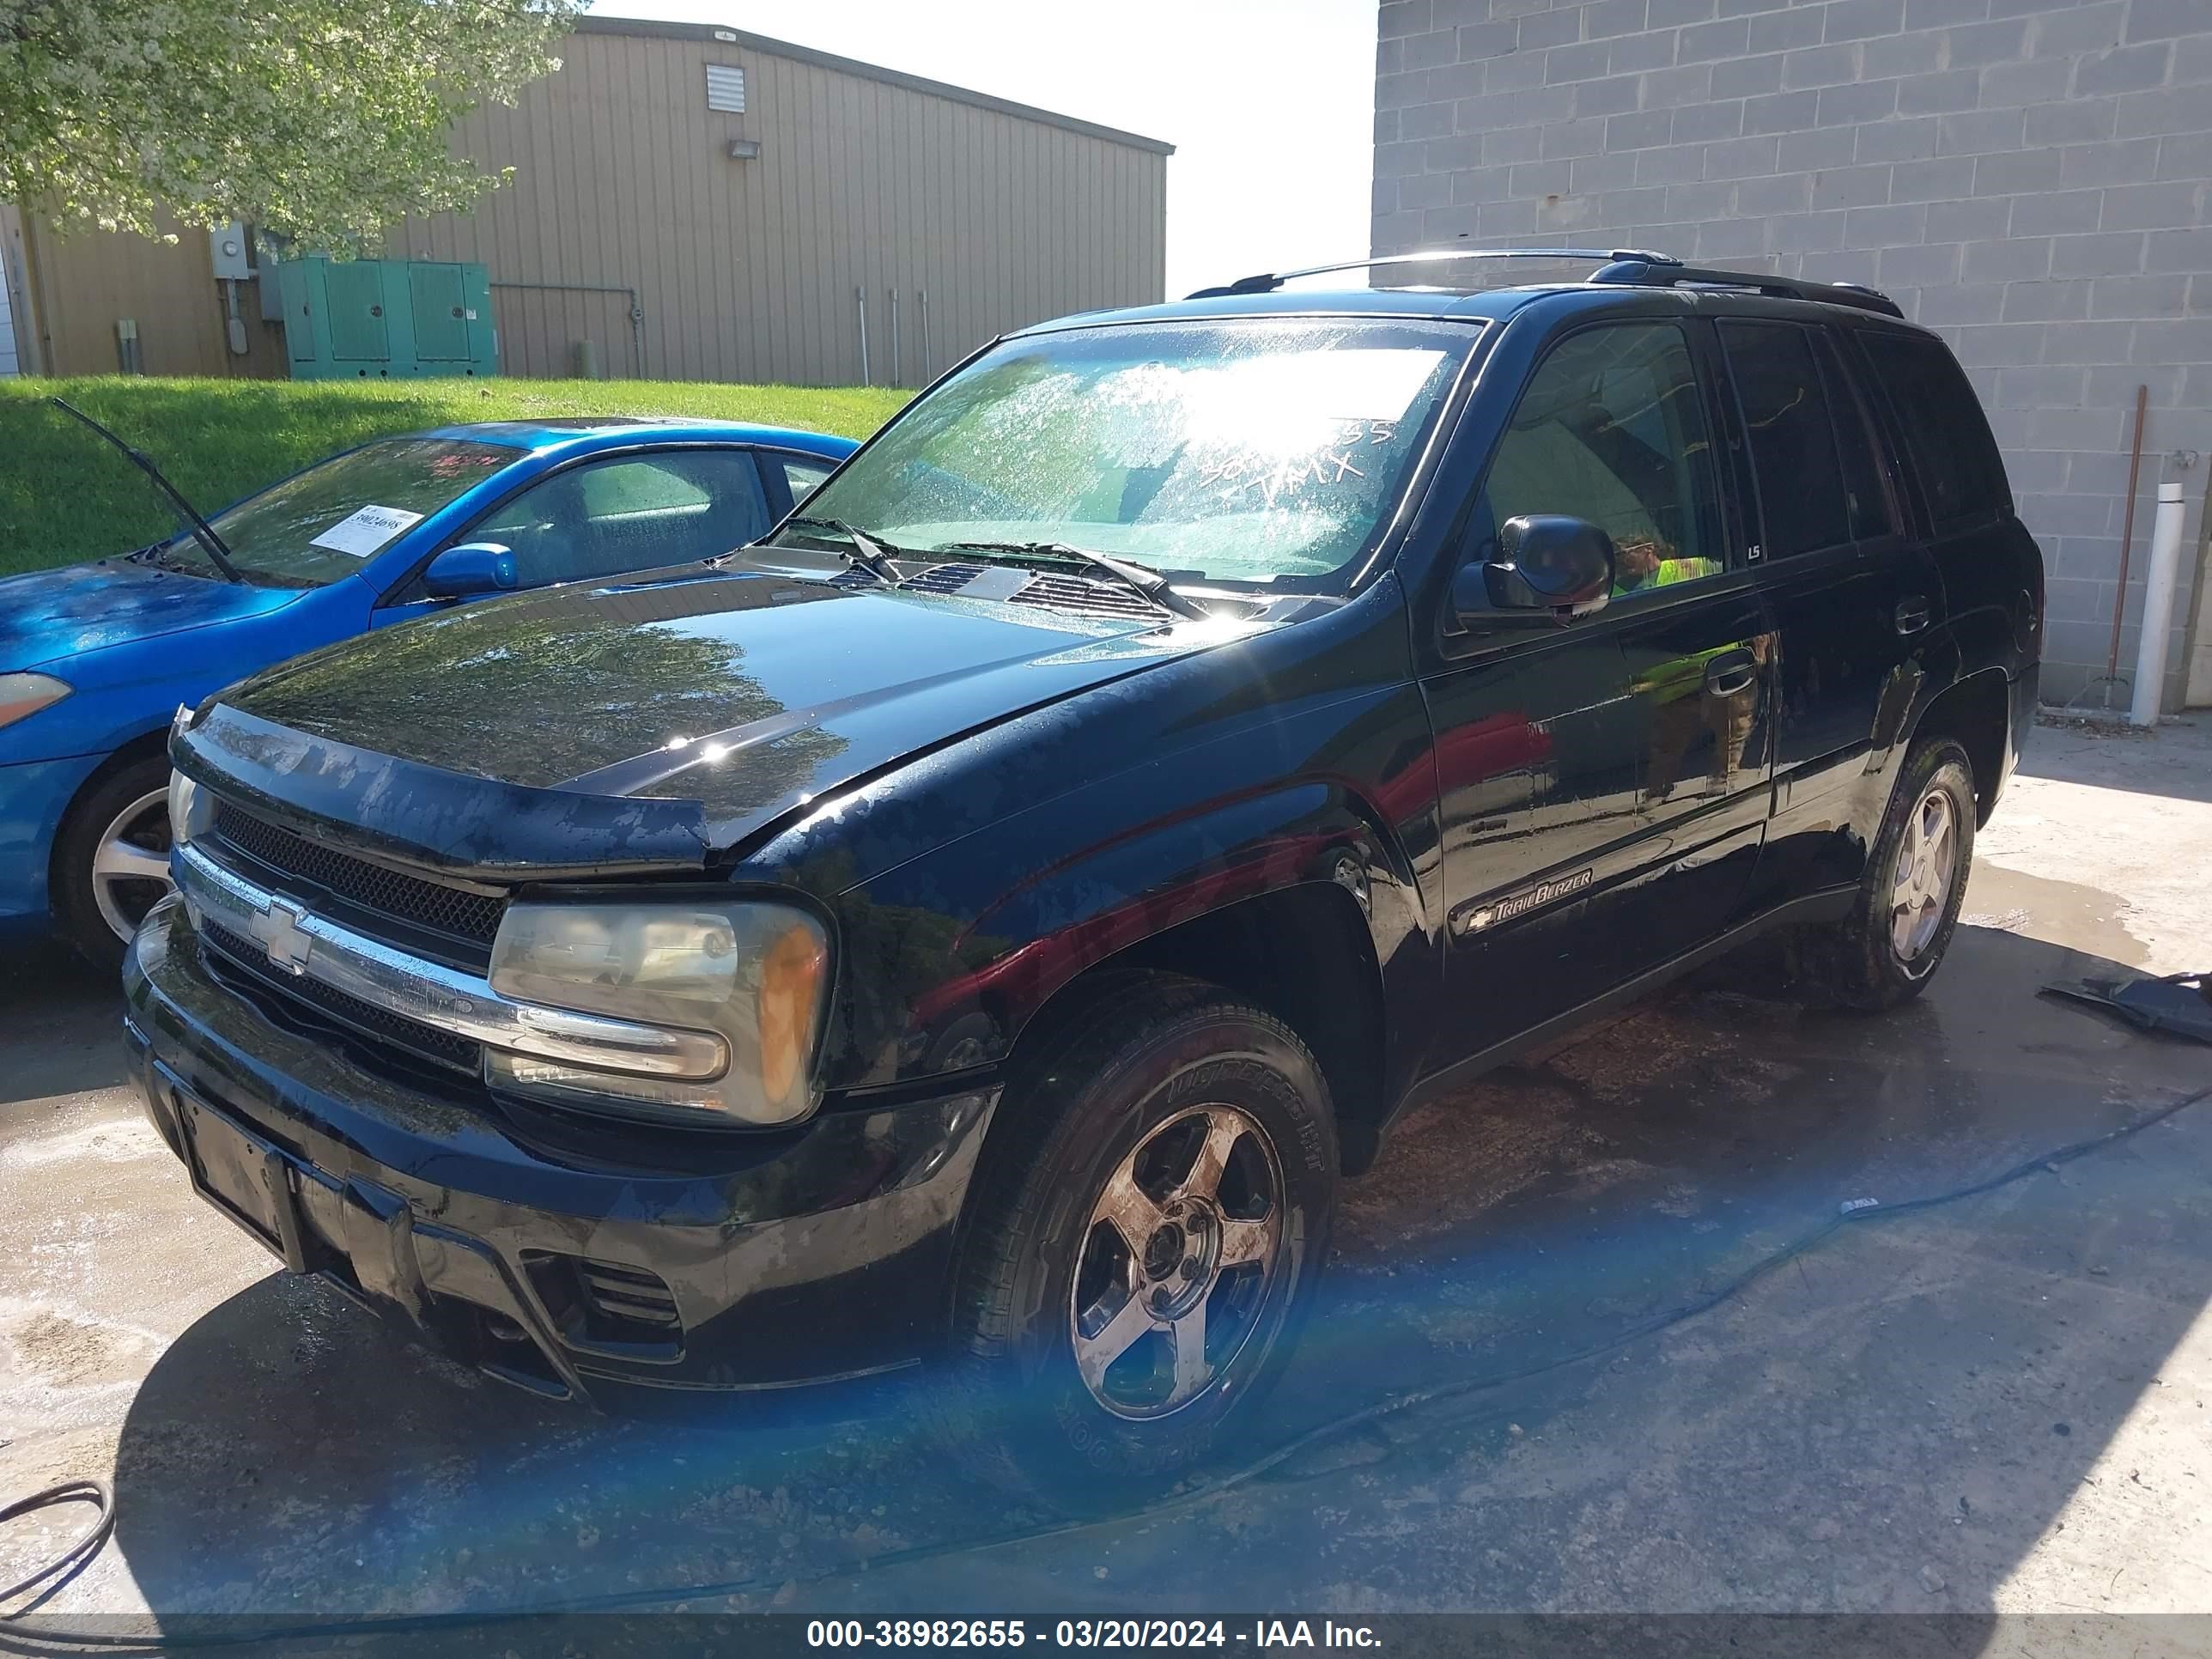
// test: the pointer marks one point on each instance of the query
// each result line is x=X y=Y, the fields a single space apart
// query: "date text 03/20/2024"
x=1086 y=1633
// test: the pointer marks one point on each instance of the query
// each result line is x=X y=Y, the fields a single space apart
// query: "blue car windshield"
x=324 y=523
x=1254 y=449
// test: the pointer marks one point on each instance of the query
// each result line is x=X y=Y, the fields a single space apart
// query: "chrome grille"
x=446 y=1048
x=453 y=911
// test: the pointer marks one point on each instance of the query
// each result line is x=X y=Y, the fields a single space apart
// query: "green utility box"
x=385 y=318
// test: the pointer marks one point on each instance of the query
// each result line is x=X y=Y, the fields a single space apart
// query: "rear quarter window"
x=1945 y=436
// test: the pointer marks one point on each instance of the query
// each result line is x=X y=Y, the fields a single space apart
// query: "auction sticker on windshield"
x=365 y=530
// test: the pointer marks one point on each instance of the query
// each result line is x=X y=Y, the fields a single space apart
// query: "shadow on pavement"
x=1951 y=1377
x=61 y=1020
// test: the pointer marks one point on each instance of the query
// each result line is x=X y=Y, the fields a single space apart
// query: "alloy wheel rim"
x=1920 y=886
x=131 y=864
x=1177 y=1263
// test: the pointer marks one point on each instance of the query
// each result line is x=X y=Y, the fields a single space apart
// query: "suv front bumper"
x=560 y=1262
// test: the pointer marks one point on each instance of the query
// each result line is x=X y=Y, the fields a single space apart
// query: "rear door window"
x=1802 y=498
x=1946 y=437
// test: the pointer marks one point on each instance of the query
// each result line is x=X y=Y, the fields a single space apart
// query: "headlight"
x=754 y=974
x=22 y=695
x=187 y=810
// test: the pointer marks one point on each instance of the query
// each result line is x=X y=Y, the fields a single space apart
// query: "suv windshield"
x=322 y=523
x=1258 y=450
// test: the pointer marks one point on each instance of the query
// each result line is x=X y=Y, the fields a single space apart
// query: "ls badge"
x=1480 y=917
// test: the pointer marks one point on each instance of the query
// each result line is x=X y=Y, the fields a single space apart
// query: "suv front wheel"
x=1886 y=950
x=1143 y=1245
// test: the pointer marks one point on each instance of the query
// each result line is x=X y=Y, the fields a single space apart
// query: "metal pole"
x=922 y=294
x=2158 y=605
x=2127 y=541
x=895 y=358
x=860 y=296
x=2193 y=626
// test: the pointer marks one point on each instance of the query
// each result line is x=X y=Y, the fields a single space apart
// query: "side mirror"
x=473 y=567
x=1548 y=562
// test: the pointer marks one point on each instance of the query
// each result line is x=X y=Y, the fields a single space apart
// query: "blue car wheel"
x=112 y=859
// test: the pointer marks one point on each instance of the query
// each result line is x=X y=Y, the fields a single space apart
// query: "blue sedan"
x=94 y=659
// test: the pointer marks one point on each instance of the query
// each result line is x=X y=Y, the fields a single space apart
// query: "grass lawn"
x=66 y=495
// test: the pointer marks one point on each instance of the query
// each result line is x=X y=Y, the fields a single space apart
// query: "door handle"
x=1911 y=614
x=1730 y=672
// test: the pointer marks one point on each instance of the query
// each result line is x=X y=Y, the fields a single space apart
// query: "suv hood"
x=52 y=614
x=668 y=719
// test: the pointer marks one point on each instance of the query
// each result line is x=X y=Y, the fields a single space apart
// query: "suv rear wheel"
x=1886 y=950
x=1143 y=1244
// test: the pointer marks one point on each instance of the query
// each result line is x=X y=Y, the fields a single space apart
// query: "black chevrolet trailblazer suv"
x=981 y=923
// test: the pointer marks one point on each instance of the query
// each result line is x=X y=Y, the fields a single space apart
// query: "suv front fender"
x=947 y=959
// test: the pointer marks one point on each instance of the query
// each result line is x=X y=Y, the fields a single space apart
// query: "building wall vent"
x=726 y=88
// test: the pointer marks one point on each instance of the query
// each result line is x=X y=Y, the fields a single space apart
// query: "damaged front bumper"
x=578 y=1259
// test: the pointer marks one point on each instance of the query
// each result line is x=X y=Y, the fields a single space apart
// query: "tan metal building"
x=690 y=202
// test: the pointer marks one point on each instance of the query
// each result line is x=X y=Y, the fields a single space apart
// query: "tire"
x=1133 y=1096
x=1878 y=957
x=119 y=825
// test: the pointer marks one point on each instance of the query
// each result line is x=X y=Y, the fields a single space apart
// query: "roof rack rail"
x=1269 y=280
x=1639 y=270
x=1628 y=267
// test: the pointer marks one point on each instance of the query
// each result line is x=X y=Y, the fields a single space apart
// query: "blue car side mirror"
x=471 y=568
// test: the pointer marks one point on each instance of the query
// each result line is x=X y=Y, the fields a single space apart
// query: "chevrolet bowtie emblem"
x=279 y=931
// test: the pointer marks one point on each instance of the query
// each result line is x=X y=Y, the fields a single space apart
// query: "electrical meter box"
x=226 y=250
x=385 y=318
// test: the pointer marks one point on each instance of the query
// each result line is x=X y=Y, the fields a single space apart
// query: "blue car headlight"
x=23 y=694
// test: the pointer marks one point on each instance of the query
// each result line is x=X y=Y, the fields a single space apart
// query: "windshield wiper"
x=1139 y=578
x=203 y=531
x=869 y=554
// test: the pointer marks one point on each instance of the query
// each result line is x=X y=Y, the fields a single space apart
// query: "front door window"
x=1612 y=429
x=630 y=513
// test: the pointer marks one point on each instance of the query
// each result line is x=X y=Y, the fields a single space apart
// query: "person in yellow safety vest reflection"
x=1682 y=712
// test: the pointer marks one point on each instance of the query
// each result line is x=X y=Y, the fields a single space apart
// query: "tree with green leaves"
x=322 y=121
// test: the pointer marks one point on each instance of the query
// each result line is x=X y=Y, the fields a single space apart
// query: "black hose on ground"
x=16 y=1631
x=94 y=1492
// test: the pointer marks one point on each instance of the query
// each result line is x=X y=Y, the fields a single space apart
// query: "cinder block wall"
x=2028 y=177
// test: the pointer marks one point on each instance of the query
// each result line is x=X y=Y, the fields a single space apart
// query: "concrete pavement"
x=2003 y=1405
